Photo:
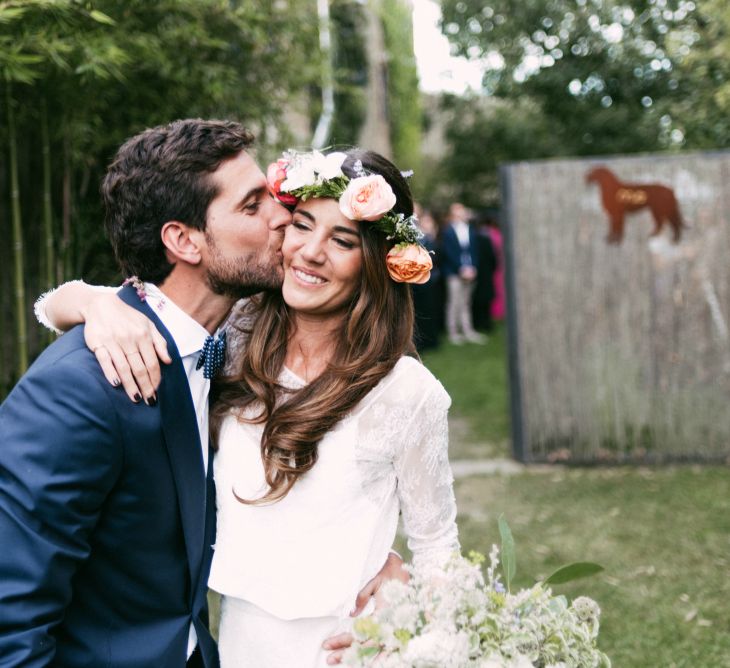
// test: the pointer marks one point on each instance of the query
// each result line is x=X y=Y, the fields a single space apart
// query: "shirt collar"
x=187 y=333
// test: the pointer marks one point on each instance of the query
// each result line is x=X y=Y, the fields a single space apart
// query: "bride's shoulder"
x=241 y=316
x=411 y=383
x=238 y=326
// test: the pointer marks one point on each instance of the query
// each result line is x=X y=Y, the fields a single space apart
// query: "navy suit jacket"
x=106 y=517
x=452 y=252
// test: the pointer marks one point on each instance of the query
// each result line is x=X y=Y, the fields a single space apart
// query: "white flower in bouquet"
x=496 y=661
x=454 y=617
x=438 y=648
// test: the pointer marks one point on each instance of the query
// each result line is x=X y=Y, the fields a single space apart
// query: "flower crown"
x=299 y=176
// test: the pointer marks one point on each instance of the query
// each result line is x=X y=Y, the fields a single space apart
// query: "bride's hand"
x=127 y=345
x=391 y=570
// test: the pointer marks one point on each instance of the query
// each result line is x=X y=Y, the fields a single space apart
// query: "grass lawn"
x=662 y=534
x=476 y=378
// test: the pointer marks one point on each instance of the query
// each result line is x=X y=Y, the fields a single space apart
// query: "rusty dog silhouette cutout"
x=620 y=198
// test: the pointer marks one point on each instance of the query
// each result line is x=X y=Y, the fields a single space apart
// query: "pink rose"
x=367 y=198
x=409 y=263
x=275 y=176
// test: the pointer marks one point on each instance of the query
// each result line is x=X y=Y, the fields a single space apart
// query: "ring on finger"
x=132 y=352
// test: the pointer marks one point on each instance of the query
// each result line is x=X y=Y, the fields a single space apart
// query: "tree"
x=404 y=108
x=80 y=77
x=703 y=108
x=23 y=54
x=481 y=133
x=607 y=73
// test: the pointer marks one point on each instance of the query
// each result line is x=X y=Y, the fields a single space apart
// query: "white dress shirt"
x=461 y=227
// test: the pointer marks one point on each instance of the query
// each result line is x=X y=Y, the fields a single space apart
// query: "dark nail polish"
x=116 y=382
x=152 y=401
x=137 y=398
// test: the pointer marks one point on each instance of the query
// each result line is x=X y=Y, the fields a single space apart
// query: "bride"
x=326 y=427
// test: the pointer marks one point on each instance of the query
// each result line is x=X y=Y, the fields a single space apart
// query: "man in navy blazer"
x=460 y=259
x=107 y=505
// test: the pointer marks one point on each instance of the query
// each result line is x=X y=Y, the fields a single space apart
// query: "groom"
x=107 y=508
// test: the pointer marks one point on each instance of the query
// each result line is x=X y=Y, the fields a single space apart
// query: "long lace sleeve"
x=40 y=307
x=424 y=479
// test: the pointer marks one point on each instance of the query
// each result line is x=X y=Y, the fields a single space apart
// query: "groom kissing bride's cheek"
x=247 y=413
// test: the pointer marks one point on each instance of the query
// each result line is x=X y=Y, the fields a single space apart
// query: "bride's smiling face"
x=322 y=252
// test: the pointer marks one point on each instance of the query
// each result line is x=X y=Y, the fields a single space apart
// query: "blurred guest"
x=486 y=267
x=427 y=297
x=499 y=301
x=460 y=246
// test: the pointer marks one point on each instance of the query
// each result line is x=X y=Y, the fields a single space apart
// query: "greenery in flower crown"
x=329 y=188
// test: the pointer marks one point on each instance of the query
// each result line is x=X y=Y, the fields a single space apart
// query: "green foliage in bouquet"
x=457 y=616
x=568 y=573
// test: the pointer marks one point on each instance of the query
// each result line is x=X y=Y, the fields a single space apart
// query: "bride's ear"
x=182 y=243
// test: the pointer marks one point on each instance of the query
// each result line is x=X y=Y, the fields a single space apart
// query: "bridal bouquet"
x=456 y=617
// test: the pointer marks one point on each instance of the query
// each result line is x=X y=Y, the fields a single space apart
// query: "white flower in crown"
x=299 y=172
x=328 y=166
x=308 y=169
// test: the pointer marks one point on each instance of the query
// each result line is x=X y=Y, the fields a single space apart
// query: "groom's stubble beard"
x=245 y=275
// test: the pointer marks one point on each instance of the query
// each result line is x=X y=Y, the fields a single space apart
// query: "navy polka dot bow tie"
x=213 y=355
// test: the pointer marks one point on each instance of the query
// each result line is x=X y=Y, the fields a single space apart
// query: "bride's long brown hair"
x=377 y=331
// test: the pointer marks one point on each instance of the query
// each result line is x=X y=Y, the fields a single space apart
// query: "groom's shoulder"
x=70 y=348
x=66 y=358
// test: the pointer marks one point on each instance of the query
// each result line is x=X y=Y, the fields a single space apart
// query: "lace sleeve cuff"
x=40 y=306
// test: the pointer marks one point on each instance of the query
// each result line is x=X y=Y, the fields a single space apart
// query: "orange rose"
x=275 y=176
x=367 y=198
x=409 y=263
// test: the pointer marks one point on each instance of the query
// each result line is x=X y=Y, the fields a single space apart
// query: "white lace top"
x=309 y=554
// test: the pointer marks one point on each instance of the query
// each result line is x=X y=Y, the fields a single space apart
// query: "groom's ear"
x=182 y=243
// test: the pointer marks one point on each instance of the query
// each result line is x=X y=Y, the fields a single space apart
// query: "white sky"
x=438 y=70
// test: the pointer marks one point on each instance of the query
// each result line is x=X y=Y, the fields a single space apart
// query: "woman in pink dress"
x=499 y=301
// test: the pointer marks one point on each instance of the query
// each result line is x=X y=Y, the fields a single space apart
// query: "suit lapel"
x=182 y=439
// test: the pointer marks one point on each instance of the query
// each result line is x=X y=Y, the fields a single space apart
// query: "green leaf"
x=101 y=17
x=403 y=635
x=8 y=14
x=580 y=569
x=509 y=560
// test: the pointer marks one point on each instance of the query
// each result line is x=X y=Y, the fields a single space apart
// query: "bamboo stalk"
x=66 y=214
x=21 y=331
x=48 y=236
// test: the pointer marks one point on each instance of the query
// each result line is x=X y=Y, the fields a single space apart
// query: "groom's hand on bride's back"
x=391 y=570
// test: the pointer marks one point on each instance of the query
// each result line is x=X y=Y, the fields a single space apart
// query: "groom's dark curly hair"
x=160 y=175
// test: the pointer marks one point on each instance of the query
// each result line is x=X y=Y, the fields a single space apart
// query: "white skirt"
x=250 y=637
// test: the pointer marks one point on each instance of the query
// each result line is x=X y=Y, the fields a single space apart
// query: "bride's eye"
x=343 y=243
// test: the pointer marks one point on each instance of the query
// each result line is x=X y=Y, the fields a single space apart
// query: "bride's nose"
x=313 y=249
